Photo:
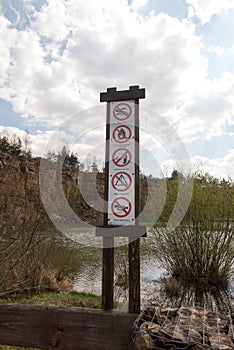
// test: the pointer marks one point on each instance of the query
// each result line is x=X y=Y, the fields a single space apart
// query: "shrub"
x=28 y=261
x=199 y=257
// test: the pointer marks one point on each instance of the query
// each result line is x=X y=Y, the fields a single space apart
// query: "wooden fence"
x=65 y=328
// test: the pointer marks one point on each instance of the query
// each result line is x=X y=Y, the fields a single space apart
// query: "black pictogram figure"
x=121 y=181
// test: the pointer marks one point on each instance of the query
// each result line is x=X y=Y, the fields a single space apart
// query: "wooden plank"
x=108 y=242
x=65 y=328
x=126 y=231
x=113 y=95
x=134 y=245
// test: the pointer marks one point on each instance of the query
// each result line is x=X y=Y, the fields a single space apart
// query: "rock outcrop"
x=20 y=199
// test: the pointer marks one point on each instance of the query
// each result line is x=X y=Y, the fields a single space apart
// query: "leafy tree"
x=15 y=146
x=94 y=166
x=174 y=175
x=4 y=144
x=27 y=151
x=51 y=156
x=63 y=155
x=73 y=161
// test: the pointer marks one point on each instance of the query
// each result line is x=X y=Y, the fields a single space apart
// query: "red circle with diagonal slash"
x=121 y=157
x=123 y=109
x=124 y=205
x=122 y=134
x=121 y=181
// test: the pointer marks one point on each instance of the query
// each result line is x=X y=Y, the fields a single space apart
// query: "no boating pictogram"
x=122 y=134
x=121 y=157
x=122 y=111
x=121 y=181
x=121 y=207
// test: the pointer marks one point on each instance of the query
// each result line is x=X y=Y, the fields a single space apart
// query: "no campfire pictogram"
x=122 y=111
x=121 y=207
x=122 y=134
x=121 y=181
x=121 y=157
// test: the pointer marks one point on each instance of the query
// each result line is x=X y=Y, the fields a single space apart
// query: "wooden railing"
x=65 y=328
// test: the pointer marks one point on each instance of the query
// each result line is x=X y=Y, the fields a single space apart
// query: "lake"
x=88 y=260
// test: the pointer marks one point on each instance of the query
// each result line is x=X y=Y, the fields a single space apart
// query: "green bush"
x=199 y=257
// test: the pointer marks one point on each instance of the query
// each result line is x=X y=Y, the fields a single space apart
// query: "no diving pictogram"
x=121 y=207
x=122 y=134
x=121 y=181
x=121 y=157
x=122 y=111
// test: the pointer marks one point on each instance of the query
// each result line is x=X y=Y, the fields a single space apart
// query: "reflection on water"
x=89 y=274
x=88 y=278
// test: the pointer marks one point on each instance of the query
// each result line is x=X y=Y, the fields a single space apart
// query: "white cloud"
x=209 y=109
x=221 y=168
x=137 y=4
x=7 y=40
x=71 y=50
x=206 y=9
x=37 y=141
x=190 y=129
x=51 y=20
x=218 y=167
x=217 y=50
x=50 y=80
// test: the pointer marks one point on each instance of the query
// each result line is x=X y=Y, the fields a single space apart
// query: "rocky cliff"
x=20 y=199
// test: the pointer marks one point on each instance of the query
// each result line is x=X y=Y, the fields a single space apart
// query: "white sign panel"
x=121 y=191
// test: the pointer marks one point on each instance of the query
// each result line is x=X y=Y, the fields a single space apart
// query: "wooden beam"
x=134 y=276
x=65 y=328
x=108 y=273
x=134 y=93
x=134 y=245
x=126 y=231
x=108 y=242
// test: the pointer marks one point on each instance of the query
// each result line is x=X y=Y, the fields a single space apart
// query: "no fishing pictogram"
x=121 y=157
x=121 y=181
x=122 y=134
x=122 y=111
x=121 y=207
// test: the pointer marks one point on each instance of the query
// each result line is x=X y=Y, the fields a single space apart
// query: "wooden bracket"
x=125 y=231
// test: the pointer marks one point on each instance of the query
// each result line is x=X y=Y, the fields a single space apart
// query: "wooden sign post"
x=122 y=190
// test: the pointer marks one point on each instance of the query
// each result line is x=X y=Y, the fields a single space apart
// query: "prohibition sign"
x=121 y=157
x=122 y=111
x=122 y=134
x=121 y=181
x=121 y=207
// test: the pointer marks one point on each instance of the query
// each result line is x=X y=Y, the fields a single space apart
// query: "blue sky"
x=56 y=56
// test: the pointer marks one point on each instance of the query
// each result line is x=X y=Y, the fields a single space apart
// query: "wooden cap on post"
x=134 y=93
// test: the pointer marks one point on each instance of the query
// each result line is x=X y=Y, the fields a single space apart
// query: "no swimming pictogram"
x=121 y=207
x=121 y=181
x=122 y=134
x=122 y=111
x=121 y=157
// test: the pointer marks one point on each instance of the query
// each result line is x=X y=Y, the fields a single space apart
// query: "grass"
x=68 y=299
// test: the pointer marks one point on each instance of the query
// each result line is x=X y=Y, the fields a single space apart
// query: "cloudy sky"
x=56 y=56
